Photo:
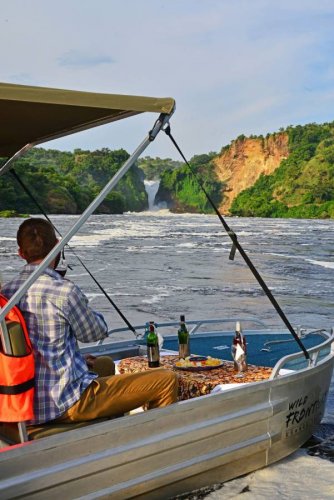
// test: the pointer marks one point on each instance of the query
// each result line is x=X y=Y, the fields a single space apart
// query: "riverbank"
x=8 y=214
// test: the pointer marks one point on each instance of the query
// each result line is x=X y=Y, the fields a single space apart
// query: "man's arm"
x=87 y=325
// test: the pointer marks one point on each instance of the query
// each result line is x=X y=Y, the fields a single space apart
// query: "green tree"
x=181 y=189
x=64 y=182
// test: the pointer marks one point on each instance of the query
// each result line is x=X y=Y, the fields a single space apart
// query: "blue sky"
x=233 y=66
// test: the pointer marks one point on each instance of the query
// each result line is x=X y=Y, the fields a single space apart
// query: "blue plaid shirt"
x=57 y=315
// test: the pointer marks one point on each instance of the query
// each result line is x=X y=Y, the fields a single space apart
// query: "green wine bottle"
x=153 y=354
x=184 y=341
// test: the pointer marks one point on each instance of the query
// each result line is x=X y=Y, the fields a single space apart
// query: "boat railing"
x=317 y=353
x=195 y=325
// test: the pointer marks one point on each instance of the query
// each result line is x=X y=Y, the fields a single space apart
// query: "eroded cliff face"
x=242 y=163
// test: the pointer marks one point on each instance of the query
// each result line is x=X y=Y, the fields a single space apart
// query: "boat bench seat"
x=10 y=434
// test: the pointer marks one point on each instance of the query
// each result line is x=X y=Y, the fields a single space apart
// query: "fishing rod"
x=27 y=190
x=236 y=246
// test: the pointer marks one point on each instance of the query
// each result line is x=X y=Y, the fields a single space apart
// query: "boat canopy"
x=32 y=115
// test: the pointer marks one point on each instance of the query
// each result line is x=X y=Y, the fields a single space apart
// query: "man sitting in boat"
x=57 y=316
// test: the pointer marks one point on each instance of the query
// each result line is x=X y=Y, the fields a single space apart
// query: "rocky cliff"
x=241 y=164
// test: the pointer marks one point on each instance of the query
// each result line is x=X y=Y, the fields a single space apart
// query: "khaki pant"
x=118 y=394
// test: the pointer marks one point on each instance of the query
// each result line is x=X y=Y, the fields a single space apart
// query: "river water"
x=158 y=265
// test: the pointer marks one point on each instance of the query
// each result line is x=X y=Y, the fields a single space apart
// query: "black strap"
x=24 y=187
x=13 y=390
x=236 y=245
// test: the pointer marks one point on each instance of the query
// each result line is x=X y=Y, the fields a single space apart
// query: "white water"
x=329 y=265
x=151 y=188
x=298 y=477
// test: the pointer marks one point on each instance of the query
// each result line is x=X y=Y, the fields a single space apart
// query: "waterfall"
x=151 y=188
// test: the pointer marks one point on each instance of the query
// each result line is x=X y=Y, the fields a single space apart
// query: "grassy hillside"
x=302 y=186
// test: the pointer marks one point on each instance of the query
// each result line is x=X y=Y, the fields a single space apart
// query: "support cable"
x=236 y=246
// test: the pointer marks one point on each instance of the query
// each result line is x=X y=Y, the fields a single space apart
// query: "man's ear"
x=21 y=254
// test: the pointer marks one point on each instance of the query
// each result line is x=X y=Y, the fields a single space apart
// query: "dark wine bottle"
x=183 y=336
x=152 y=342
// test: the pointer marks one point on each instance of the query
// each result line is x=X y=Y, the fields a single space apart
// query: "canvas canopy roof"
x=32 y=115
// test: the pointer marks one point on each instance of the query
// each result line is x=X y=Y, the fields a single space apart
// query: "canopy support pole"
x=159 y=124
x=6 y=166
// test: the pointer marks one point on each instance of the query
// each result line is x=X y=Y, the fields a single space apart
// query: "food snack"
x=198 y=362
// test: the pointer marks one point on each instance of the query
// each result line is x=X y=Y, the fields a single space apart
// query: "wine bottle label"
x=184 y=350
x=153 y=353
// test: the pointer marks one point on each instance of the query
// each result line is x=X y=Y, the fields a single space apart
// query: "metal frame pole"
x=6 y=166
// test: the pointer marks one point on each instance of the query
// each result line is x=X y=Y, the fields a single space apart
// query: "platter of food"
x=198 y=363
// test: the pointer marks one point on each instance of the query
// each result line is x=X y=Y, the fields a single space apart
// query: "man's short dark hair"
x=36 y=238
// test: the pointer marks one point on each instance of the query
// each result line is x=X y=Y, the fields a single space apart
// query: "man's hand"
x=90 y=360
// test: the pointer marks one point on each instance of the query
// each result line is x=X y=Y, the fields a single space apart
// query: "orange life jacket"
x=16 y=374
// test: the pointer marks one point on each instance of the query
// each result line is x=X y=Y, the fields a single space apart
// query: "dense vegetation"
x=64 y=182
x=153 y=168
x=302 y=186
x=182 y=192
